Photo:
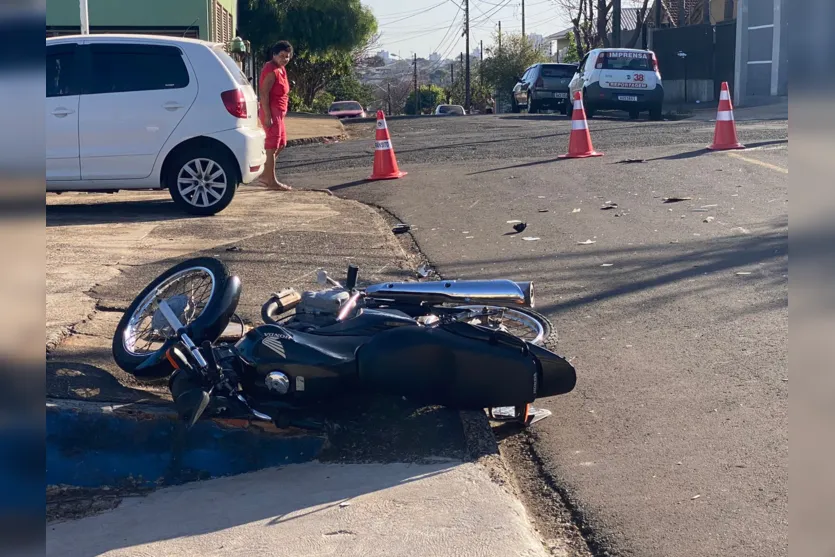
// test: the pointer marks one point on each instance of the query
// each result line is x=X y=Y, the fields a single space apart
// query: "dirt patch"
x=65 y=502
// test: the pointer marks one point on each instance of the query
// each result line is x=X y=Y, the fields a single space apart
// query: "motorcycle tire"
x=210 y=322
x=549 y=336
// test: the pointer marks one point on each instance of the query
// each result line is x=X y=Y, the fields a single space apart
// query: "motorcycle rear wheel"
x=523 y=323
x=194 y=291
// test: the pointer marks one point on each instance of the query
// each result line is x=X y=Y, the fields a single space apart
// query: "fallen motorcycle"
x=461 y=344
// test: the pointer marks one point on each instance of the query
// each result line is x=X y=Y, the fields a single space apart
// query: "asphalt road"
x=675 y=441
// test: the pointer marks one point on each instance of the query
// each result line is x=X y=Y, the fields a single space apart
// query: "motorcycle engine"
x=321 y=308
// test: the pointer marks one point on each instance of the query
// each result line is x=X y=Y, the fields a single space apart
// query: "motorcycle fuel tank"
x=489 y=292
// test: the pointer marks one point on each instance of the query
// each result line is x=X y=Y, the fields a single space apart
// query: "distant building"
x=434 y=57
x=385 y=55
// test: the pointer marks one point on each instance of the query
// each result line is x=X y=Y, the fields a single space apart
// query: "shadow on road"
x=705 y=150
x=113 y=212
x=522 y=165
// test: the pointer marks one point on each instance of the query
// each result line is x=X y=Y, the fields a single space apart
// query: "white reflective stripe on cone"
x=579 y=125
x=578 y=105
x=381 y=125
x=384 y=145
x=725 y=116
x=724 y=95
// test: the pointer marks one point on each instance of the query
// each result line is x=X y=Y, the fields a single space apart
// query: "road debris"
x=607 y=264
x=676 y=199
x=631 y=161
x=344 y=504
x=695 y=497
x=540 y=197
x=520 y=226
x=424 y=270
x=513 y=221
x=740 y=230
x=609 y=205
x=234 y=248
x=530 y=238
x=543 y=210
x=743 y=273
x=401 y=228
x=576 y=211
x=709 y=206
x=586 y=243
x=709 y=219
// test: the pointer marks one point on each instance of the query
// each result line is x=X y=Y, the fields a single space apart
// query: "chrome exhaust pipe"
x=527 y=290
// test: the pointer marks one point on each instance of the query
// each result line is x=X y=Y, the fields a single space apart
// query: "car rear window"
x=344 y=105
x=231 y=65
x=626 y=60
x=121 y=68
x=558 y=71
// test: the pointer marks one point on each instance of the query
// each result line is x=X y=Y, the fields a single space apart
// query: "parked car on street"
x=620 y=78
x=543 y=86
x=346 y=109
x=150 y=112
x=450 y=110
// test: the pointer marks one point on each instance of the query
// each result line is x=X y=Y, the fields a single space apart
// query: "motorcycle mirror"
x=191 y=405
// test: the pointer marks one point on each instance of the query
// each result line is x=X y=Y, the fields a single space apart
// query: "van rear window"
x=624 y=61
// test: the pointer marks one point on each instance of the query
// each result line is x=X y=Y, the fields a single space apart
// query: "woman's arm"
x=264 y=97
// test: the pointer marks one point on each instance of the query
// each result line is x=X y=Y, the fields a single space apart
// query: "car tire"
x=569 y=108
x=590 y=110
x=533 y=107
x=655 y=113
x=203 y=181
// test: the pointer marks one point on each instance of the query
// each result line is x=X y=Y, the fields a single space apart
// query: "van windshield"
x=624 y=60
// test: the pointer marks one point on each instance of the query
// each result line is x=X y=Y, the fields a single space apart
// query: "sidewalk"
x=311 y=128
x=310 y=510
x=767 y=108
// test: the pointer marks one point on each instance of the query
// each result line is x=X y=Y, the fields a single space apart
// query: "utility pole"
x=452 y=74
x=389 y=90
x=616 y=23
x=524 y=36
x=85 y=17
x=417 y=93
x=481 y=63
x=467 y=49
x=500 y=37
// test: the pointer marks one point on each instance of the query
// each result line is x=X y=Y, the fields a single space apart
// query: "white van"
x=619 y=78
x=149 y=112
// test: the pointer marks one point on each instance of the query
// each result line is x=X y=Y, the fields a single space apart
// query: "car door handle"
x=62 y=112
x=172 y=106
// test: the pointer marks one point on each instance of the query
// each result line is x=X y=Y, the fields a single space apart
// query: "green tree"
x=349 y=88
x=430 y=97
x=571 y=53
x=504 y=66
x=325 y=34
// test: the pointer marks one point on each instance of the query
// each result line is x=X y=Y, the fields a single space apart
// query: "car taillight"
x=655 y=64
x=235 y=102
x=540 y=83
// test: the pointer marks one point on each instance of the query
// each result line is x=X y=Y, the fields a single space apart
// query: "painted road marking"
x=760 y=163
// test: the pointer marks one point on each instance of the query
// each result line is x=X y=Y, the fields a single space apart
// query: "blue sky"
x=423 y=26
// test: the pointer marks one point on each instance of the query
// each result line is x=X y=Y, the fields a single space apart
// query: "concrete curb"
x=91 y=444
x=317 y=139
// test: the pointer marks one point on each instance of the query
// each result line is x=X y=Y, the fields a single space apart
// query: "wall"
x=762 y=54
x=134 y=13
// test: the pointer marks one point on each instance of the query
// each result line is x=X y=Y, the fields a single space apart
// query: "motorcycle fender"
x=439 y=366
x=211 y=325
x=558 y=376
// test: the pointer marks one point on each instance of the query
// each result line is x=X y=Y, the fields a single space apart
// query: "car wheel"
x=533 y=107
x=203 y=181
x=655 y=113
x=633 y=114
x=514 y=106
x=568 y=110
x=590 y=110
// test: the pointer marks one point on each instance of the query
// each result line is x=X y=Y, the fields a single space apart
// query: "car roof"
x=622 y=50
x=129 y=38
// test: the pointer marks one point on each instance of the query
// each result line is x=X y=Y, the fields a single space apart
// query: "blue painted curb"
x=135 y=445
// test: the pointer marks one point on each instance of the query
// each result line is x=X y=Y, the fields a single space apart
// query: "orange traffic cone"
x=385 y=164
x=579 y=142
x=724 y=136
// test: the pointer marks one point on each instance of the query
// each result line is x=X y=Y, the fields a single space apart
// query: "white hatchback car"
x=150 y=112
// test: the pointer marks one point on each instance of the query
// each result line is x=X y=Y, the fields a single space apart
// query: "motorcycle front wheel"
x=522 y=323
x=194 y=290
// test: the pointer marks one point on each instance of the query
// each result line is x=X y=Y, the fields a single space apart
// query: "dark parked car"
x=543 y=86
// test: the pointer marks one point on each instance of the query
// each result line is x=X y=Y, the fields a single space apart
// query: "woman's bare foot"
x=279 y=186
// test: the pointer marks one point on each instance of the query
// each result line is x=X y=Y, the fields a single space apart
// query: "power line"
x=425 y=10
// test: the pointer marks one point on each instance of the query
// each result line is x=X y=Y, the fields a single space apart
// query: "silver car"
x=543 y=86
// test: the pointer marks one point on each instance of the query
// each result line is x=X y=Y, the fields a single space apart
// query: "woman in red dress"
x=273 y=92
